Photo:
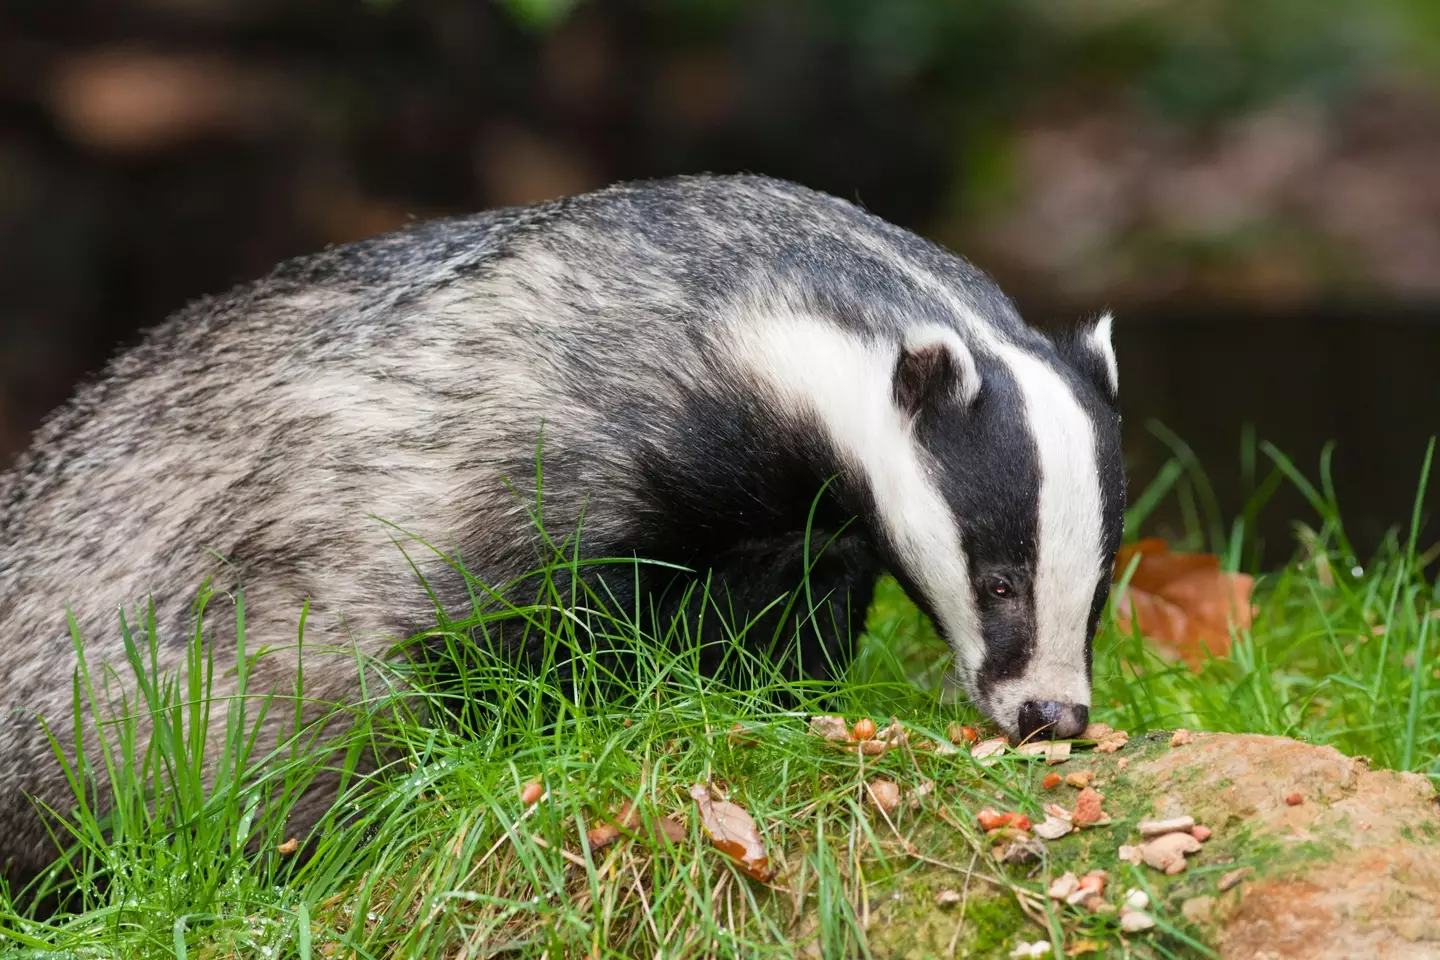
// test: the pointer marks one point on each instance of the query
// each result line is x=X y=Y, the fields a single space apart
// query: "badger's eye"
x=1000 y=587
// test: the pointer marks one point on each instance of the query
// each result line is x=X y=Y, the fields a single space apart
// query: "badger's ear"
x=934 y=364
x=1092 y=353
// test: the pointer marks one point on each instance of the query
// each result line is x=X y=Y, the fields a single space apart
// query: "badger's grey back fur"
x=407 y=377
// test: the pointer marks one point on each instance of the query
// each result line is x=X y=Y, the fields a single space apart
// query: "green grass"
x=439 y=857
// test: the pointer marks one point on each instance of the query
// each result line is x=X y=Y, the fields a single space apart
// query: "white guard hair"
x=931 y=334
x=844 y=382
x=1100 y=339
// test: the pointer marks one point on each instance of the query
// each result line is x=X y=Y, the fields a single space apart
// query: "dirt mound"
x=1355 y=870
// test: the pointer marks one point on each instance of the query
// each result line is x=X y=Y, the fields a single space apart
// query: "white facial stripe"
x=1070 y=558
x=845 y=383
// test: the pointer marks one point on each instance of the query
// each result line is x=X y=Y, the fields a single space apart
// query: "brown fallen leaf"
x=1020 y=850
x=663 y=830
x=1167 y=852
x=288 y=847
x=884 y=794
x=1080 y=779
x=732 y=830
x=1087 y=807
x=1182 y=601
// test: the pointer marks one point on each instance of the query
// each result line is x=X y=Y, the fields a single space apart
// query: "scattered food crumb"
x=830 y=728
x=1080 y=779
x=1198 y=909
x=1167 y=852
x=288 y=847
x=1294 y=799
x=531 y=792
x=1052 y=828
x=1136 y=899
x=1112 y=742
x=1233 y=878
x=627 y=722
x=1200 y=832
x=1122 y=763
x=1087 y=807
x=1182 y=737
x=1054 y=751
x=885 y=795
x=1040 y=948
x=1050 y=782
x=1097 y=731
x=920 y=791
x=988 y=749
x=947 y=898
x=962 y=733
x=1063 y=885
x=1130 y=854
x=1081 y=947
x=1156 y=828
x=1136 y=921
x=864 y=729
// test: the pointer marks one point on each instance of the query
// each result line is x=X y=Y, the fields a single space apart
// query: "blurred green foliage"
x=1191 y=60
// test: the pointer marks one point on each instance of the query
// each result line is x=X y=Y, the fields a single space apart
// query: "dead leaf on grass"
x=1183 y=602
x=732 y=830
x=884 y=794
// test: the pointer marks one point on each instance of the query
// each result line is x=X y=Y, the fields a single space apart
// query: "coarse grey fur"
x=406 y=377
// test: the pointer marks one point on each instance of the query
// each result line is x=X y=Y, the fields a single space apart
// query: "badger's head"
x=990 y=476
x=1022 y=446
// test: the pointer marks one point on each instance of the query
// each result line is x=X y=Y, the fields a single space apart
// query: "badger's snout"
x=1052 y=720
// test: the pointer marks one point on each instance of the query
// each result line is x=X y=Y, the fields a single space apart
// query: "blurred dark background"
x=1252 y=185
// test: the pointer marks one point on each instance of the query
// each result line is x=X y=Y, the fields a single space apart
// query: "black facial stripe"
x=989 y=473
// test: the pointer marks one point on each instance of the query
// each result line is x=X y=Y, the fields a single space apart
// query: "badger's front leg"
x=770 y=607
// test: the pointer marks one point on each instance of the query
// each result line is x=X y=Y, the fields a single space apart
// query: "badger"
x=718 y=367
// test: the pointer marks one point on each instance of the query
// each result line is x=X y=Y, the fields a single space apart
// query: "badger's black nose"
x=1046 y=719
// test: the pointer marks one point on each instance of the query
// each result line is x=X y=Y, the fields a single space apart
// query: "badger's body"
x=703 y=354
